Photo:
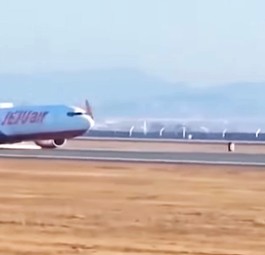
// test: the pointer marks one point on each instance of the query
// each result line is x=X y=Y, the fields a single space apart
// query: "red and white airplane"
x=48 y=126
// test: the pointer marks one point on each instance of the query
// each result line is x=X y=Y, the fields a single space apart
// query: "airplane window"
x=71 y=114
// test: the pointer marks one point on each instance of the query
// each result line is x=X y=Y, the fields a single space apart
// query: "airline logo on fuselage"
x=24 y=117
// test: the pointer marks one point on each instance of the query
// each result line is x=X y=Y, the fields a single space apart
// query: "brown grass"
x=51 y=208
x=163 y=146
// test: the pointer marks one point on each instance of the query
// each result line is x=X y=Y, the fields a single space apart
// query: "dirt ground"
x=56 y=207
x=163 y=146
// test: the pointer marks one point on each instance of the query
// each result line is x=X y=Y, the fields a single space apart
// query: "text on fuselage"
x=24 y=117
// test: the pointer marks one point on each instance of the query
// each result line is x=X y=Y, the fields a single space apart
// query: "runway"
x=139 y=156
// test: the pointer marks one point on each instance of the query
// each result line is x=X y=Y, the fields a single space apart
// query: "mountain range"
x=134 y=94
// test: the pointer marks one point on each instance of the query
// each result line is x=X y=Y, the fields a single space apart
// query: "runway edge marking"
x=135 y=160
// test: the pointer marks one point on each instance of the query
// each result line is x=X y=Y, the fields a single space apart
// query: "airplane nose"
x=87 y=122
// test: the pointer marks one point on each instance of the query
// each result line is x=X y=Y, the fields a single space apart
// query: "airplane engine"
x=51 y=144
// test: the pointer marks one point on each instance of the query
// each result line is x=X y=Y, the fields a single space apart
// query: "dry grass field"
x=163 y=146
x=57 y=207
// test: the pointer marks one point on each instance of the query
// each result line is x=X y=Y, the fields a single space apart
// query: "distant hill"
x=129 y=93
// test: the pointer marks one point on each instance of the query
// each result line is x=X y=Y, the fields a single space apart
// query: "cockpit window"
x=71 y=114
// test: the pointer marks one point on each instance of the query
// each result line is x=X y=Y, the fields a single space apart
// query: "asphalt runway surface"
x=174 y=153
x=138 y=156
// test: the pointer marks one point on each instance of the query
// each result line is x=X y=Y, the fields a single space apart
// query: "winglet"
x=88 y=109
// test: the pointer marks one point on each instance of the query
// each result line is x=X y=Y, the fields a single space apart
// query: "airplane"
x=48 y=126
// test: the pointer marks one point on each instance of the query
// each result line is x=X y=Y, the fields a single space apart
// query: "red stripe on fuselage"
x=42 y=136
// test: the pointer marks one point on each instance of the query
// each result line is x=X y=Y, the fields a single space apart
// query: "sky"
x=194 y=41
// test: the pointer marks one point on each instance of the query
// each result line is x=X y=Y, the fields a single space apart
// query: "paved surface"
x=134 y=156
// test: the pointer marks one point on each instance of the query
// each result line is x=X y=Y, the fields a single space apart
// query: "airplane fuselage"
x=31 y=123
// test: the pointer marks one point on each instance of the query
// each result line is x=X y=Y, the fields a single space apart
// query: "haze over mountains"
x=133 y=94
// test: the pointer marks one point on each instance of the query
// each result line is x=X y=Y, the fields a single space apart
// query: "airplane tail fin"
x=88 y=109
